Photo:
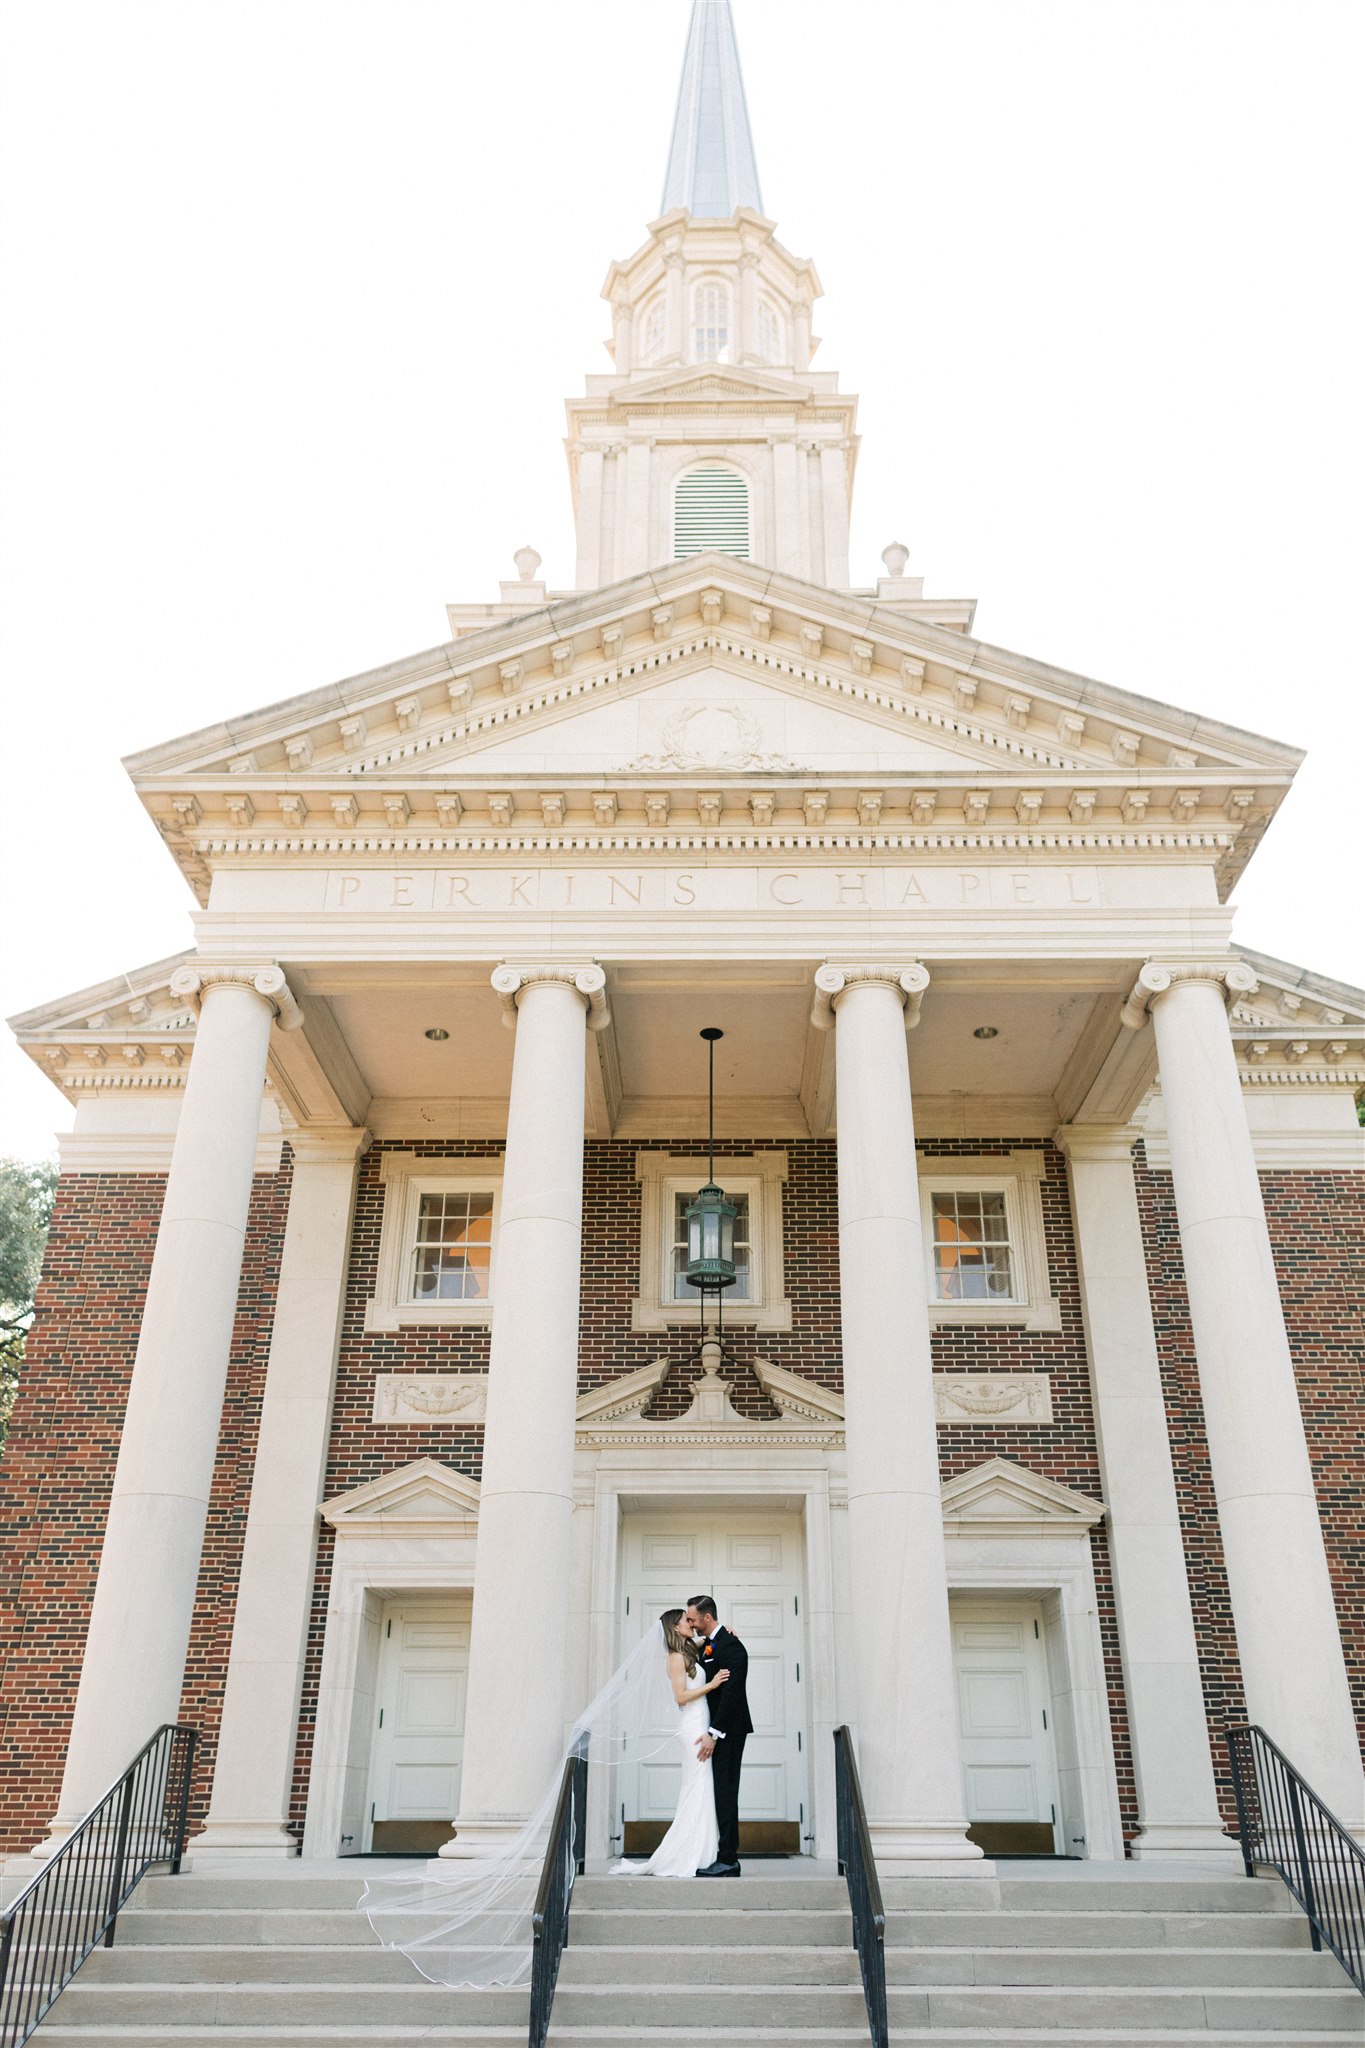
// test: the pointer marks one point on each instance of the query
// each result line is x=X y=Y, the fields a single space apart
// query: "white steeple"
x=712 y=171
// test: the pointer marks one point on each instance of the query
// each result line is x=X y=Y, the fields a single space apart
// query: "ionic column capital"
x=192 y=984
x=907 y=982
x=510 y=984
x=1233 y=978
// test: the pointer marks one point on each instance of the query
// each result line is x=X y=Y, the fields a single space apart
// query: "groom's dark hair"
x=704 y=1604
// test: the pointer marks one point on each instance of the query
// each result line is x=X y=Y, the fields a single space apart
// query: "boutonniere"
x=708 y=1651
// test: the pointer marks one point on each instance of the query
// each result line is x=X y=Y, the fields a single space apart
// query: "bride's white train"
x=471 y=1923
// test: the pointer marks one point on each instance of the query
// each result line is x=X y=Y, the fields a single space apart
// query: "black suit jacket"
x=729 y=1703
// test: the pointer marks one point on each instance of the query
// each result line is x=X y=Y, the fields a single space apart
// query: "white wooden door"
x=751 y=1565
x=419 y=1724
x=1005 y=1714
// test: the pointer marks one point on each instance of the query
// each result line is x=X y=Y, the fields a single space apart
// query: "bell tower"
x=712 y=430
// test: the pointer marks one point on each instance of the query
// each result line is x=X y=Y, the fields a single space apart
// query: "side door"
x=419 y=1732
x=1004 y=1716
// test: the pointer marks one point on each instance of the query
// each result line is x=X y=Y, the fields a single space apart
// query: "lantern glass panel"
x=740 y=1250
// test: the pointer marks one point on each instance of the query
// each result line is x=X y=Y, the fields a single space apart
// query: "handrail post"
x=120 y=1856
x=1305 y=1866
x=182 y=1814
x=1239 y=1794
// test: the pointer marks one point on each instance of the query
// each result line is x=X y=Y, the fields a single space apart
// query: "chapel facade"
x=369 y=1414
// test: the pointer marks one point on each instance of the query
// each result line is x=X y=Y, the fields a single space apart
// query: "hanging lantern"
x=711 y=1240
x=710 y=1218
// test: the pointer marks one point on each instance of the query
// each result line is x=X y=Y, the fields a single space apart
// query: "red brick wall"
x=360 y=1450
x=56 y=1474
x=1317 y=1231
x=58 y=1468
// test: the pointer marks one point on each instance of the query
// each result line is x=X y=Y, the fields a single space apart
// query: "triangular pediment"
x=1001 y=1498
x=424 y=1491
x=694 y=677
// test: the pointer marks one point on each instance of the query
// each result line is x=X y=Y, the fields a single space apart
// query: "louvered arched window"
x=710 y=324
x=711 y=510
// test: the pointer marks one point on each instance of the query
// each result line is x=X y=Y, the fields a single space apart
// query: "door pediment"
x=1000 y=1498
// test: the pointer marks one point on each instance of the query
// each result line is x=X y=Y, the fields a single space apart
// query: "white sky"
x=295 y=293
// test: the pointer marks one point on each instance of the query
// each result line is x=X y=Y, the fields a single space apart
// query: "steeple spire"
x=711 y=166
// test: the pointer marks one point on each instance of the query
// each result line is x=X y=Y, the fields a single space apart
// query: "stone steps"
x=262 y=1960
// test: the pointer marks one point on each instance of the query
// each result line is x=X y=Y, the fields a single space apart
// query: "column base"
x=477 y=1838
x=1195 y=1842
x=238 y=1841
x=926 y=1849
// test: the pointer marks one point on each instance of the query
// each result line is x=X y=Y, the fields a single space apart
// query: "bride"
x=693 y=1838
x=469 y=1923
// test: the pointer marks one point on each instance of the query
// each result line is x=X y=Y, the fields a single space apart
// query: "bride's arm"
x=677 y=1672
x=714 y=1685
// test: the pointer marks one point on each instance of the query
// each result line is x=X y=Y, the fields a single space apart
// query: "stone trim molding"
x=192 y=984
x=1233 y=977
x=509 y=982
x=1096 y=1141
x=386 y=1309
x=654 y=1309
x=831 y=981
x=1020 y=1174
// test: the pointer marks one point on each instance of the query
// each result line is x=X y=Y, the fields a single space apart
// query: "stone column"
x=589 y=518
x=253 y=1776
x=134 y=1659
x=514 y=1721
x=1172 y=1761
x=907 y=1724
x=1288 y=1636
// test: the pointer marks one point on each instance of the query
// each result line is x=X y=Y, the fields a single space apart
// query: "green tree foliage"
x=26 y=1194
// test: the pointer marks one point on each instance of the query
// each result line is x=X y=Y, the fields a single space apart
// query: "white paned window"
x=754 y=1184
x=985 y=1250
x=769 y=332
x=744 y=1272
x=452 y=1259
x=437 y=1243
x=710 y=324
x=973 y=1260
x=711 y=510
x=652 y=330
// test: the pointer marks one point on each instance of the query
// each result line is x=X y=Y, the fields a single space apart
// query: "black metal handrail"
x=1285 y=1826
x=857 y=1864
x=565 y=1856
x=73 y=1903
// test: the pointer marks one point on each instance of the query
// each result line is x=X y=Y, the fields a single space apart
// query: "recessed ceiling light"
x=437 y=1035
x=981 y=1031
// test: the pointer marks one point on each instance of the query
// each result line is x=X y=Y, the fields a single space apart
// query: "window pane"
x=972 y=1258
x=452 y=1257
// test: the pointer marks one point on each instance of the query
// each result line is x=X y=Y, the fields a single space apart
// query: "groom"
x=730 y=1724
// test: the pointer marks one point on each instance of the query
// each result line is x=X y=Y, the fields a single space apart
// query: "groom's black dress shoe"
x=720 y=1870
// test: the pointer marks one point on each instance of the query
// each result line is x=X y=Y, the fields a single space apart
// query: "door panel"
x=1003 y=1701
x=419 y=1733
x=752 y=1567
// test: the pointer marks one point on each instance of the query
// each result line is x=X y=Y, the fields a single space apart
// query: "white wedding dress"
x=693 y=1839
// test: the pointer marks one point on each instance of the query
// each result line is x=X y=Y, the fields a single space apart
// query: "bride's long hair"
x=676 y=1640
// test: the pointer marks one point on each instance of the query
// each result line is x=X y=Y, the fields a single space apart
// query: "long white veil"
x=471 y=1923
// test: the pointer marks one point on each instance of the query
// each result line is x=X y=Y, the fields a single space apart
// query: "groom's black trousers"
x=726 y=1760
